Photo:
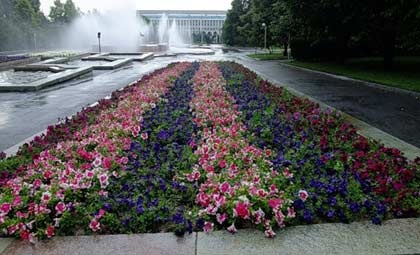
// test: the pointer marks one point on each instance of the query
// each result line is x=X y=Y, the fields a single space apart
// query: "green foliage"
x=63 y=13
x=24 y=26
x=329 y=29
x=265 y=56
x=231 y=33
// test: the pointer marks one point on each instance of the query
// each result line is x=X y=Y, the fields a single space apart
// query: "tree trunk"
x=389 y=38
x=285 y=46
x=341 y=54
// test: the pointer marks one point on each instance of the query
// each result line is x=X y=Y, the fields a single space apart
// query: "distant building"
x=196 y=26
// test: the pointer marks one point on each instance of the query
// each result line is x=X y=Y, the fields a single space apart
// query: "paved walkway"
x=393 y=237
x=395 y=113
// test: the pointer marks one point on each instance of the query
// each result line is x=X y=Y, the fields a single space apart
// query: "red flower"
x=241 y=210
x=222 y=164
x=106 y=163
x=49 y=231
x=24 y=235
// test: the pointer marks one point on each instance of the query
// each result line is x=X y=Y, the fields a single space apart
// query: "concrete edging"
x=49 y=81
x=398 y=236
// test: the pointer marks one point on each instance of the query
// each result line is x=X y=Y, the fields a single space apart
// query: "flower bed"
x=199 y=147
x=4 y=59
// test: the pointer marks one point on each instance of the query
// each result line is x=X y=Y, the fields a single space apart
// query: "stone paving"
x=400 y=236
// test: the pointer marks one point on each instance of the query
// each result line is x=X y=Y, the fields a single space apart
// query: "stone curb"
x=409 y=150
x=367 y=83
x=398 y=236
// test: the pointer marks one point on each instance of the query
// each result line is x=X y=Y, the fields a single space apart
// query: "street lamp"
x=265 y=35
x=99 y=41
x=35 y=46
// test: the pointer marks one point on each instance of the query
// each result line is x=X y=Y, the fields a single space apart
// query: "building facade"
x=195 y=26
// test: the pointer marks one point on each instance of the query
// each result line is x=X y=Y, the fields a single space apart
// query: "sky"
x=104 y=5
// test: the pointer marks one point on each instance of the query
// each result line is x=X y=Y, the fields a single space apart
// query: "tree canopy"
x=330 y=29
x=24 y=26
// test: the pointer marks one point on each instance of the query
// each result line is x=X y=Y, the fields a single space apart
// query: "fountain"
x=122 y=31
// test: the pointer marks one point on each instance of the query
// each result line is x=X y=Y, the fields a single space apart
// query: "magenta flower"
x=241 y=210
x=275 y=203
x=5 y=208
x=208 y=227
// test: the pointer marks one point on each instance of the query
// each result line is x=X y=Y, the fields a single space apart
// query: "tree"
x=392 y=23
x=70 y=11
x=231 y=27
x=57 y=12
x=63 y=13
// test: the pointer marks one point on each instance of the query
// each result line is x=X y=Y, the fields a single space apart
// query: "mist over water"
x=121 y=31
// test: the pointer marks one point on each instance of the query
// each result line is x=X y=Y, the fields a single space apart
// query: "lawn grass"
x=405 y=75
x=276 y=54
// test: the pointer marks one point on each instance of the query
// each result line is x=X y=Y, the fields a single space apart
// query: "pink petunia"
x=194 y=176
x=232 y=229
x=60 y=208
x=303 y=195
x=221 y=217
x=94 y=225
x=203 y=199
x=46 y=197
x=225 y=187
x=222 y=164
x=287 y=173
x=5 y=208
x=103 y=179
x=270 y=233
x=291 y=212
x=144 y=136
x=208 y=227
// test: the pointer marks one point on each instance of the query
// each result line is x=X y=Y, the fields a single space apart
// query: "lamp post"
x=265 y=35
x=99 y=41
x=35 y=46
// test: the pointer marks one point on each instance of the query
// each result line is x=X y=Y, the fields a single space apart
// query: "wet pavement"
x=395 y=113
x=25 y=114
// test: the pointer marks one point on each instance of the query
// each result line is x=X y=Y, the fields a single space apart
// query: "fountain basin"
x=46 y=81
